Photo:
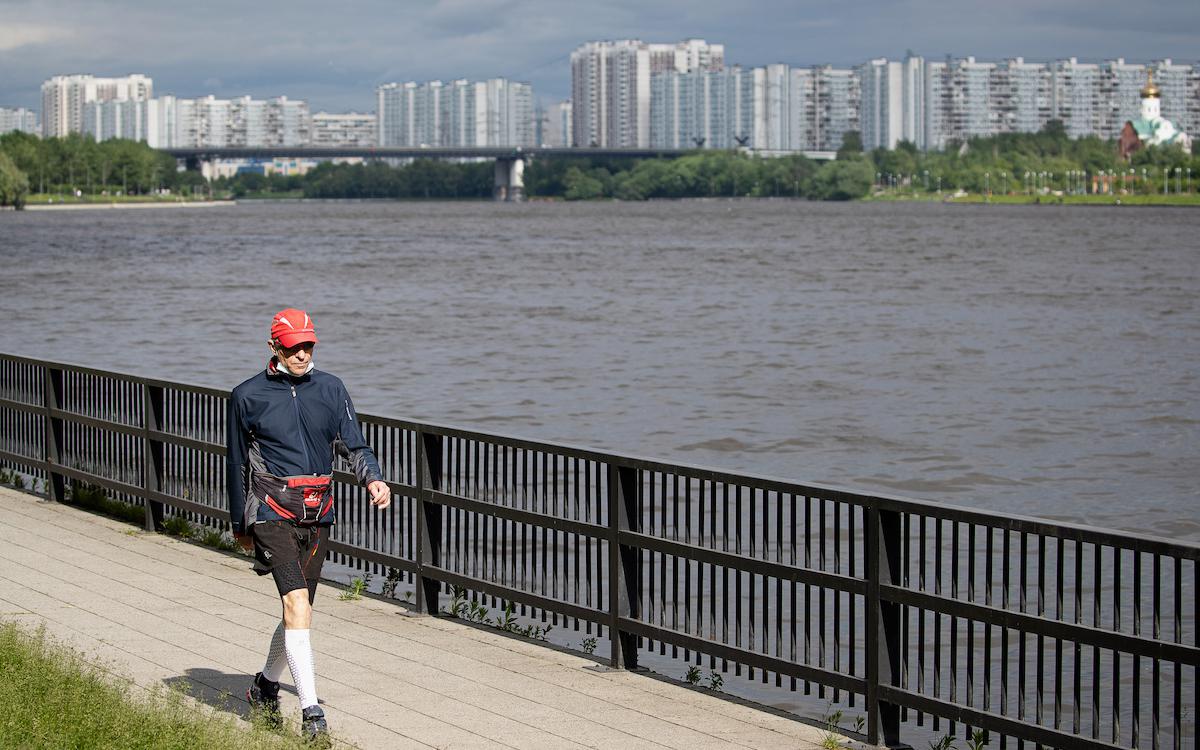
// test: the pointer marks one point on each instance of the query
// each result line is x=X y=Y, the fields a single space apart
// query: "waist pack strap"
x=305 y=500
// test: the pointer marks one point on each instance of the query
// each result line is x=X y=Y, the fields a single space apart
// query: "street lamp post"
x=1165 y=185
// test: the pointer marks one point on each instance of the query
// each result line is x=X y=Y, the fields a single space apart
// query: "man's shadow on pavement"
x=222 y=690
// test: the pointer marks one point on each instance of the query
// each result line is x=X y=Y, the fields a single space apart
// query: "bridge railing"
x=932 y=618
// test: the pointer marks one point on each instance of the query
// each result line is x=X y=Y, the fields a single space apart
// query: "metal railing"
x=930 y=615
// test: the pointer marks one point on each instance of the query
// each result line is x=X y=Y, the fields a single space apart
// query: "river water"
x=1035 y=360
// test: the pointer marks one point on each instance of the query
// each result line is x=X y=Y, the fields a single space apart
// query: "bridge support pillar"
x=510 y=179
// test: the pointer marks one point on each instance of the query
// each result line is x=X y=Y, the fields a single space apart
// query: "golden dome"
x=1150 y=90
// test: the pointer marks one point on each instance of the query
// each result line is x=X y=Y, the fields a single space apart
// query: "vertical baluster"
x=1177 y=671
x=792 y=561
x=766 y=592
x=675 y=561
x=779 y=585
x=1004 y=603
x=1156 y=625
x=807 y=588
x=971 y=623
x=821 y=594
x=1097 y=588
x=662 y=568
x=853 y=645
x=837 y=595
x=952 y=693
x=1135 y=697
x=937 y=617
x=1059 y=544
x=1078 y=649
x=737 y=575
x=1041 y=641
x=905 y=611
x=988 y=580
x=687 y=564
x=1022 y=604
x=921 y=612
x=1118 y=563
x=712 y=569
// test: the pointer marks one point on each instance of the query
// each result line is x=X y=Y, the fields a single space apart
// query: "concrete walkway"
x=162 y=611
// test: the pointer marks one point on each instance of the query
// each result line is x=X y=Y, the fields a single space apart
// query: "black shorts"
x=292 y=554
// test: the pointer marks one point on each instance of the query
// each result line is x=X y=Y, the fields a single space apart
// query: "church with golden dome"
x=1151 y=129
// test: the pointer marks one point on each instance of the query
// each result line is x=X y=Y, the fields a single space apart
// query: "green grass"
x=53 y=698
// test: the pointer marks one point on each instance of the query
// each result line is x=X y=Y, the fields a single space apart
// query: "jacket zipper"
x=300 y=430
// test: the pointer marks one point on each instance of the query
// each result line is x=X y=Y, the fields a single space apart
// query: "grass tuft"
x=357 y=587
x=53 y=697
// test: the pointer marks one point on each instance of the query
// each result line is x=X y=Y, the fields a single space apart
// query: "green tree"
x=852 y=145
x=14 y=185
x=843 y=180
x=581 y=186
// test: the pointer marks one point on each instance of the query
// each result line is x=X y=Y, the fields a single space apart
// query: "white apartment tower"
x=893 y=102
x=611 y=86
x=64 y=98
x=461 y=113
x=18 y=119
x=225 y=123
x=349 y=130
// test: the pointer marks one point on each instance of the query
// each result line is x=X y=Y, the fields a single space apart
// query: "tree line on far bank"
x=79 y=165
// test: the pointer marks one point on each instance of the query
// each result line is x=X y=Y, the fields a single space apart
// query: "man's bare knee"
x=297 y=612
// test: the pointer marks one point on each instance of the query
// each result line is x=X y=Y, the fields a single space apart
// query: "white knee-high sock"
x=276 y=660
x=300 y=660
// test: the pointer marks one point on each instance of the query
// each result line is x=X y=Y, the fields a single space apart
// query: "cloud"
x=14 y=36
x=335 y=54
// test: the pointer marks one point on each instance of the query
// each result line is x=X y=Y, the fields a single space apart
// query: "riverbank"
x=89 y=206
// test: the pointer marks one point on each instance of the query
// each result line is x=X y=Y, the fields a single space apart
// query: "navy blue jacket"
x=289 y=426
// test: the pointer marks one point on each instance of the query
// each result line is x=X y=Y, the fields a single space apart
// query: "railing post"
x=884 y=623
x=52 y=447
x=624 y=590
x=152 y=453
x=429 y=520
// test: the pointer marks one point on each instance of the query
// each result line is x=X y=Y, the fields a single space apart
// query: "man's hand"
x=246 y=541
x=381 y=494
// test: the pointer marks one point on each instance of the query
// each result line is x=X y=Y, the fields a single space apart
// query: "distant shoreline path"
x=157 y=204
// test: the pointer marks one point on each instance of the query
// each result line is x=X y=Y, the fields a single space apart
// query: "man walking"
x=284 y=426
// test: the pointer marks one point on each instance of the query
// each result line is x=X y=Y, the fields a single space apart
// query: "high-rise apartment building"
x=19 y=119
x=496 y=112
x=611 y=86
x=227 y=123
x=555 y=125
x=892 y=95
x=64 y=98
x=773 y=109
x=116 y=118
x=348 y=130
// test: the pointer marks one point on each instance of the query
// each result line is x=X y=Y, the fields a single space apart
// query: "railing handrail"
x=1016 y=522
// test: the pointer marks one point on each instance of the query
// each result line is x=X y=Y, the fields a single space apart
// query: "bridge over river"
x=510 y=161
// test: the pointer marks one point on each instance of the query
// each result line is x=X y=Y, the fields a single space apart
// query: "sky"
x=335 y=52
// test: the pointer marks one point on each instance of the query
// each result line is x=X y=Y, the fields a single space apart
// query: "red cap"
x=291 y=326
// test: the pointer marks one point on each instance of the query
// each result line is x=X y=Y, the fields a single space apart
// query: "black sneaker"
x=263 y=696
x=312 y=724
